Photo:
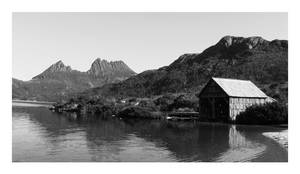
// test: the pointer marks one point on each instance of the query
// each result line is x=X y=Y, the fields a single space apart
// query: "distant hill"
x=254 y=58
x=57 y=81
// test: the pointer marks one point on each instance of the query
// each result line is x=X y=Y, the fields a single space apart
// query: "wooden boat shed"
x=223 y=99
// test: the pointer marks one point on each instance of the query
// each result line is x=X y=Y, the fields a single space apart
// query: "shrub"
x=148 y=104
x=164 y=102
x=182 y=102
x=139 y=112
x=269 y=113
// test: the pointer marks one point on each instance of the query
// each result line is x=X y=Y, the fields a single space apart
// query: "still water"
x=41 y=135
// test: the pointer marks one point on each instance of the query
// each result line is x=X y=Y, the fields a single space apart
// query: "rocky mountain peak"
x=56 y=67
x=108 y=70
x=250 y=42
x=229 y=48
x=101 y=67
x=59 y=63
x=59 y=66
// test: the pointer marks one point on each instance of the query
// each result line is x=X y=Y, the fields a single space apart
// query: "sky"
x=142 y=40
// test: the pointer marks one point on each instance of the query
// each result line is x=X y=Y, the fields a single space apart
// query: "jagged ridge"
x=59 y=80
x=103 y=67
x=99 y=68
x=253 y=58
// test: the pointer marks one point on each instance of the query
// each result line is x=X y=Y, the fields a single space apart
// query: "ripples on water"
x=40 y=135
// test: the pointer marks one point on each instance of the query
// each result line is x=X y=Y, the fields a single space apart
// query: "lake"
x=41 y=135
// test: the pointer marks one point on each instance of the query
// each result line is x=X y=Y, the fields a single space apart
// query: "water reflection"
x=69 y=137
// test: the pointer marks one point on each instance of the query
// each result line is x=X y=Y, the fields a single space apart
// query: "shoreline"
x=32 y=101
x=31 y=104
x=280 y=137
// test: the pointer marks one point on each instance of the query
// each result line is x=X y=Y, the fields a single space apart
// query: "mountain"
x=59 y=80
x=103 y=67
x=57 y=67
x=253 y=58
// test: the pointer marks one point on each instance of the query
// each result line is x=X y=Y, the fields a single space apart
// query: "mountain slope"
x=57 y=81
x=254 y=58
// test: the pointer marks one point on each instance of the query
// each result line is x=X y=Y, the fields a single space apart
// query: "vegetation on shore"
x=158 y=107
x=267 y=114
x=154 y=107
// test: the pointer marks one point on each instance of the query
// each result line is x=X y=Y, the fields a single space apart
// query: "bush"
x=269 y=113
x=139 y=112
x=182 y=102
x=164 y=102
x=148 y=104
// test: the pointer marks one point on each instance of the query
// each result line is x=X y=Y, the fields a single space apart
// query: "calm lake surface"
x=41 y=135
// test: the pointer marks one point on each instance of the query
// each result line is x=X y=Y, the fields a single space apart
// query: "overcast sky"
x=142 y=40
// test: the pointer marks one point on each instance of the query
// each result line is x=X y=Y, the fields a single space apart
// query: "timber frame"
x=216 y=104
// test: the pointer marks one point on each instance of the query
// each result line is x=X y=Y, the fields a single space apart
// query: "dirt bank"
x=280 y=137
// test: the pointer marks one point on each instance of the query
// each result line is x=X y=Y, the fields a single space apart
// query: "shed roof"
x=239 y=88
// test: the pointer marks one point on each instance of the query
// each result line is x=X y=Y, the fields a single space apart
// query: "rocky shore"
x=280 y=137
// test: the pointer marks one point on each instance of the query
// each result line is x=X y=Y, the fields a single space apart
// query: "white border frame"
x=8 y=7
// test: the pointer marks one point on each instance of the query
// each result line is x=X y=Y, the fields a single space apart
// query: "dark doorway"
x=214 y=108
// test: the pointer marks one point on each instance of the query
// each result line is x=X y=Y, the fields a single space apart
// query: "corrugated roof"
x=239 y=88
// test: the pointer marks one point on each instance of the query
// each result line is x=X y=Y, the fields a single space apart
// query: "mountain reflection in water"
x=41 y=135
